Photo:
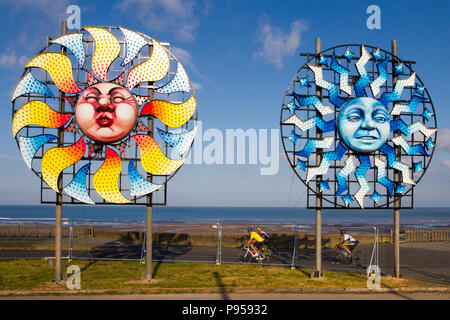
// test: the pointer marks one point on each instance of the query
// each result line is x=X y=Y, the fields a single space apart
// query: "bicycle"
x=266 y=252
x=246 y=256
x=354 y=259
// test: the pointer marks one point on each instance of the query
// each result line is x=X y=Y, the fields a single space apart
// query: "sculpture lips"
x=367 y=138
x=104 y=120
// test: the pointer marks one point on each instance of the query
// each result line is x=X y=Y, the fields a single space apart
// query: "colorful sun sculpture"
x=103 y=89
x=344 y=119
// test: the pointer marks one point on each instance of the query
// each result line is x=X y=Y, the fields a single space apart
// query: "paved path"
x=253 y=297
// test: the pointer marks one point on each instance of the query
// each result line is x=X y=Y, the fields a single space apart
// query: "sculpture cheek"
x=85 y=114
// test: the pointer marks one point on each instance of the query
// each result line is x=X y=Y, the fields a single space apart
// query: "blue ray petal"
x=29 y=84
x=180 y=141
x=139 y=185
x=77 y=187
x=179 y=83
x=134 y=43
x=73 y=42
x=30 y=145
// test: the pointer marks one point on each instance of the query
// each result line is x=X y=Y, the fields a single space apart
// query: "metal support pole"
x=294 y=252
x=70 y=258
x=149 y=207
x=58 y=209
x=148 y=240
x=318 y=271
x=144 y=243
x=219 y=244
x=396 y=181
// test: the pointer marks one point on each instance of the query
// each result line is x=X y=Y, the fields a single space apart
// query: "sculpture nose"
x=105 y=104
x=368 y=123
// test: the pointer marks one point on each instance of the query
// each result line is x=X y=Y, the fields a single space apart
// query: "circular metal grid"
x=91 y=58
x=344 y=178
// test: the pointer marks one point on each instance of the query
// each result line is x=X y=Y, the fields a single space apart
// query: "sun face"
x=106 y=112
x=346 y=142
x=363 y=124
x=113 y=95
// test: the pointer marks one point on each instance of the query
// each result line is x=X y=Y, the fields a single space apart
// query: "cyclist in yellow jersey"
x=255 y=238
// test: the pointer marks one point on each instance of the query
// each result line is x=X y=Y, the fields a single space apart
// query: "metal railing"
x=427 y=235
x=292 y=245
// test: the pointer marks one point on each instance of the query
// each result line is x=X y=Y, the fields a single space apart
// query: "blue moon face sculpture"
x=363 y=124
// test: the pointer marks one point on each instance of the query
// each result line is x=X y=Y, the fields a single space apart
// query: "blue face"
x=363 y=124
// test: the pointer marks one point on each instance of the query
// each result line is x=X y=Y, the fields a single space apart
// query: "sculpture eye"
x=380 y=119
x=91 y=98
x=354 y=117
x=118 y=99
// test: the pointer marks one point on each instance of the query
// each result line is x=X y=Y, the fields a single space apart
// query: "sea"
x=425 y=217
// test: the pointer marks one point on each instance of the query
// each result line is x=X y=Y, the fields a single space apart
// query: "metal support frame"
x=329 y=200
x=374 y=255
x=80 y=76
x=149 y=205
x=219 y=244
x=59 y=198
x=397 y=200
x=318 y=270
x=294 y=252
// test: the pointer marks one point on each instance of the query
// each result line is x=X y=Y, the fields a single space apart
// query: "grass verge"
x=117 y=276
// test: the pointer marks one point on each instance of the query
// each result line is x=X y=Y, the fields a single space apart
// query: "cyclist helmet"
x=249 y=230
x=343 y=231
x=258 y=229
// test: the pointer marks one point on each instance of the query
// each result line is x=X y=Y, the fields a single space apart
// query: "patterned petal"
x=153 y=160
x=107 y=49
x=134 y=42
x=77 y=187
x=181 y=141
x=56 y=160
x=154 y=69
x=38 y=113
x=30 y=145
x=171 y=114
x=180 y=82
x=60 y=69
x=106 y=178
x=73 y=42
x=29 y=84
x=139 y=185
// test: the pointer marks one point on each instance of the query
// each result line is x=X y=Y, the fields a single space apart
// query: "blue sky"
x=241 y=55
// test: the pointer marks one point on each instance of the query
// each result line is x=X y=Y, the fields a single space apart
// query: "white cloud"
x=183 y=55
x=196 y=85
x=187 y=61
x=175 y=16
x=277 y=44
x=11 y=60
x=444 y=139
x=51 y=8
x=9 y=157
x=446 y=164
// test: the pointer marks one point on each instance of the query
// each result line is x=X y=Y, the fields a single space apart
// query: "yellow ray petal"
x=153 y=69
x=38 y=113
x=56 y=160
x=171 y=114
x=60 y=69
x=106 y=178
x=153 y=160
x=107 y=49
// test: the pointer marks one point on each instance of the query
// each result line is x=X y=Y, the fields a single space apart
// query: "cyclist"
x=255 y=238
x=348 y=243
x=263 y=234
